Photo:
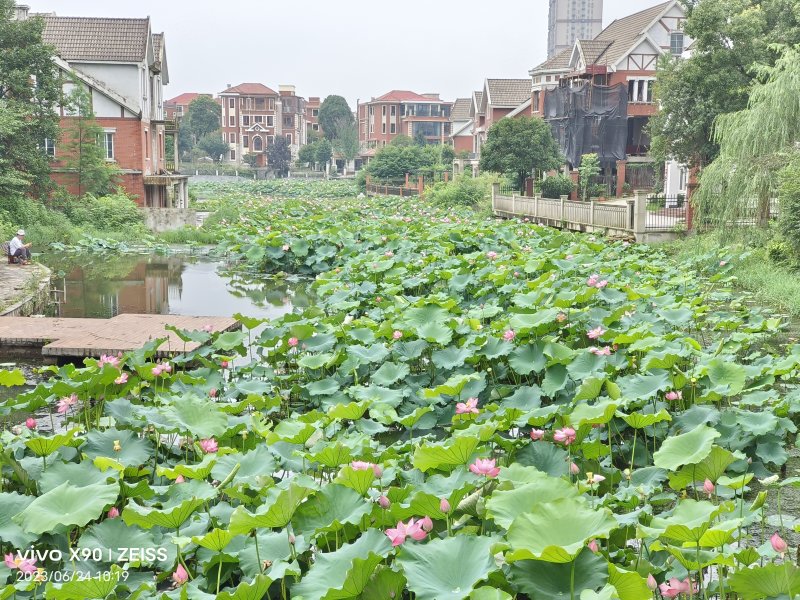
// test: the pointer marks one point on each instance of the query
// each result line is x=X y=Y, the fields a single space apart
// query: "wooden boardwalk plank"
x=93 y=337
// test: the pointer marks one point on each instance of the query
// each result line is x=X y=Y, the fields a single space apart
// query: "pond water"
x=105 y=285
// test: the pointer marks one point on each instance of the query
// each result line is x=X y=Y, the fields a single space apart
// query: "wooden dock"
x=94 y=337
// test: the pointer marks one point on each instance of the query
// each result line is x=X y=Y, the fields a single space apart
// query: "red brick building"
x=312 y=117
x=622 y=58
x=122 y=65
x=178 y=106
x=500 y=98
x=293 y=118
x=401 y=112
x=461 y=126
x=250 y=121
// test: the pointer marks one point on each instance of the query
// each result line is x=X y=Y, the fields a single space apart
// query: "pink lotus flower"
x=388 y=254
x=416 y=530
x=561 y=317
x=180 y=576
x=377 y=470
x=485 y=466
x=285 y=247
x=166 y=367
x=722 y=263
x=212 y=393
x=596 y=333
x=674 y=395
x=592 y=545
x=537 y=434
x=468 y=407
x=108 y=359
x=675 y=587
x=384 y=502
x=778 y=544
x=224 y=364
x=293 y=341
x=426 y=523
x=122 y=379
x=208 y=328
x=574 y=469
x=491 y=255
x=360 y=465
x=444 y=505
x=26 y=565
x=564 y=436
x=601 y=284
x=30 y=423
x=592 y=281
x=65 y=403
x=592 y=479
x=397 y=335
x=157 y=370
x=179 y=479
x=708 y=487
x=113 y=513
x=398 y=534
x=509 y=335
x=604 y=351
x=209 y=445
x=651 y=582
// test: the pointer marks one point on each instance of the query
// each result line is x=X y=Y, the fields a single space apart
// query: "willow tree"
x=754 y=144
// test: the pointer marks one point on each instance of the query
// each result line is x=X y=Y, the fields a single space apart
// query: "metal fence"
x=666 y=213
x=640 y=176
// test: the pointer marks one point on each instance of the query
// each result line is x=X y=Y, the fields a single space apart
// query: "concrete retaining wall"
x=36 y=298
x=167 y=219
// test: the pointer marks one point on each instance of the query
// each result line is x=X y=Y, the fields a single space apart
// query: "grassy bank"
x=770 y=283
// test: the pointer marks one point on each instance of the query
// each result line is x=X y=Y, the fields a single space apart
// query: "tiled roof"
x=559 y=62
x=460 y=110
x=508 y=92
x=185 y=99
x=593 y=50
x=622 y=33
x=404 y=96
x=158 y=45
x=94 y=39
x=477 y=96
x=251 y=89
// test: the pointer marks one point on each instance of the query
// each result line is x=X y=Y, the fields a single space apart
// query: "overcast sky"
x=354 y=48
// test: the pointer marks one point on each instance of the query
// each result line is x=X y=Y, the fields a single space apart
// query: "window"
x=392 y=128
x=270 y=140
x=536 y=101
x=231 y=102
x=676 y=43
x=249 y=103
x=383 y=111
x=260 y=103
x=245 y=141
x=233 y=154
x=257 y=144
x=179 y=110
x=393 y=110
x=246 y=120
x=50 y=147
x=146 y=144
x=272 y=103
x=270 y=121
x=231 y=121
x=233 y=138
x=259 y=119
x=288 y=121
x=108 y=144
x=315 y=127
x=383 y=127
x=315 y=112
x=289 y=138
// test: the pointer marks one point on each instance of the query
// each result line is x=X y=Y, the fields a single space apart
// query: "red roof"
x=404 y=96
x=185 y=99
x=251 y=89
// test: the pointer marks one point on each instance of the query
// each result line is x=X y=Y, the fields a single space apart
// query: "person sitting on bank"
x=19 y=249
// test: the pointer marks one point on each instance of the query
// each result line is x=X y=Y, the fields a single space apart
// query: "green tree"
x=29 y=111
x=214 y=146
x=732 y=39
x=323 y=152
x=279 y=156
x=308 y=153
x=202 y=118
x=754 y=144
x=789 y=196
x=84 y=140
x=345 y=140
x=419 y=139
x=332 y=109
x=519 y=148
x=402 y=140
x=589 y=169
x=393 y=162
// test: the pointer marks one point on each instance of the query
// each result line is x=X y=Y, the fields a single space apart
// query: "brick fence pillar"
x=622 y=166
x=576 y=178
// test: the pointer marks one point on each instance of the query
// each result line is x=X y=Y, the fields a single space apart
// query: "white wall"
x=125 y=80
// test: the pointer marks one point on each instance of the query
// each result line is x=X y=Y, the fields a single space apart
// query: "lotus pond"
x=472 y=408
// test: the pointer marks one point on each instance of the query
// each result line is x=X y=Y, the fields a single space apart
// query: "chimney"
x=286 y=90
x=21 y=12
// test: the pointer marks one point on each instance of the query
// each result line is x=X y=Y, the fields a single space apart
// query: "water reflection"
x=103 y=287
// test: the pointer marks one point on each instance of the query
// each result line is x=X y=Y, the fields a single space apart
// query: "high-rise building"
x=572 y=20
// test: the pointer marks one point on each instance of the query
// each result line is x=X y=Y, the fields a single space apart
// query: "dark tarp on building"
x=588 y=119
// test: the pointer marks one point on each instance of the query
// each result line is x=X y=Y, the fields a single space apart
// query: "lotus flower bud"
x=384 y=502
x=444 y=505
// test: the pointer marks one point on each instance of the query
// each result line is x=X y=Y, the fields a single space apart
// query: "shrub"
x=555 y=187
x=461 y=191
x=789 y=196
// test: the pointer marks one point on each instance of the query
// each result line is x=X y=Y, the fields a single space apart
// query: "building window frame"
x=108 y=144
x=232 y=103
x=245 y=141
x=677 y=43
x=50 y=147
